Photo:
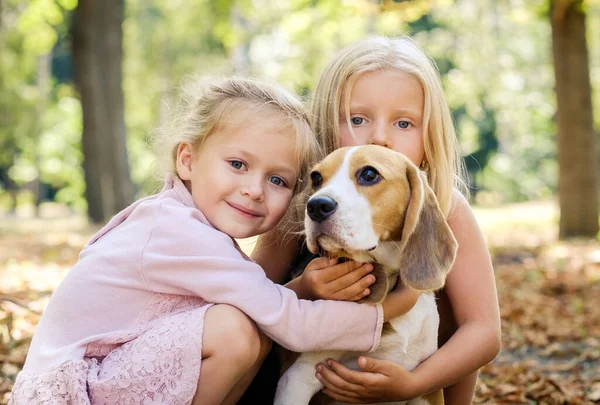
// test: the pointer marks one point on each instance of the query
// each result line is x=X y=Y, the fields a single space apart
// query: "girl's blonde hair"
x=209 y=105
x=442 y=155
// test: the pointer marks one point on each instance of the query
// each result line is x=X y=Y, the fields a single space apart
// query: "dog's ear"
x=428 y=245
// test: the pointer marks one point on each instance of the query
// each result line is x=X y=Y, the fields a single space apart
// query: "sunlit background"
x=497 y=67
x=495 y=58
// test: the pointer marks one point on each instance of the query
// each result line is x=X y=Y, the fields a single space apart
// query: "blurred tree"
x=97 y=56
x=493 y=56
x=19 y=115
x=500 y=75
x=577 y=158
x=7 y=144
x=40 y=129
x=43 y=87
x=475 y=120
x=481 y=139
x=163 y=47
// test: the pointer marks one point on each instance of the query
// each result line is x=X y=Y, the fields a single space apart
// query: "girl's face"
x=242 y=177
x=386 y=109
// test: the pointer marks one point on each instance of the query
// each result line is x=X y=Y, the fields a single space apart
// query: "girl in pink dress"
x=163 y=307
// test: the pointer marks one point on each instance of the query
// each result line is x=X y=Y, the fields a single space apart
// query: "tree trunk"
x=97 y=56
x=578 y=165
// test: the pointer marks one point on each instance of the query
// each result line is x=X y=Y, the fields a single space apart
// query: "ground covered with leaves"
x=549 y=296
x=549 y=303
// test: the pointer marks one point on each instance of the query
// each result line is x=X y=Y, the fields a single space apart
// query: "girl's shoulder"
x=464 y=225
x=182 y=224
x=459 y=207
x=462 y=219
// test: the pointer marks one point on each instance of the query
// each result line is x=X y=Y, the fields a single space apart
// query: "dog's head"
x=372 y=204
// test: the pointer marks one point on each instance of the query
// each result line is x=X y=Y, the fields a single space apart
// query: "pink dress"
x=125 y=326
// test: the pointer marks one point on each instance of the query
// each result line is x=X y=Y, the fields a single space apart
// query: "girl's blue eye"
x=278 y=181
x=236 y=164
x=404 y=124
x=357 y=120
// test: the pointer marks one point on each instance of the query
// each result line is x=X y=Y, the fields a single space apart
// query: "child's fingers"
x=358 y=296
x=320 y=263
x=353 y=378
x=339 y=270
x=355 y=291
x=360 y=275
x=334 y=382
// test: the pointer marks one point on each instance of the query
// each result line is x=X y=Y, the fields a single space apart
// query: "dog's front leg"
x=298 y=384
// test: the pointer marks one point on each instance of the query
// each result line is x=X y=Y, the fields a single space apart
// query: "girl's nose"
x=380 y=136
x=253 y=190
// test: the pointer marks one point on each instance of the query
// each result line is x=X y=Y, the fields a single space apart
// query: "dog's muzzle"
x=320 y=208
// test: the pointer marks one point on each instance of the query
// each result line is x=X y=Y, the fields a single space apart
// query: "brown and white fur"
x=371 y=204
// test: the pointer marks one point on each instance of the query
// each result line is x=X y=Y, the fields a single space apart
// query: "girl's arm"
x=399 y=301
x=471 y=290
x=196 y=259
x=275 y=253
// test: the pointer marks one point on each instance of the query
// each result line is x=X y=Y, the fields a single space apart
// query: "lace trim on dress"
x=66 y=385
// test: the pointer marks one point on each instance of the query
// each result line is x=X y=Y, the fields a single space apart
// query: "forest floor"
x=549 y=294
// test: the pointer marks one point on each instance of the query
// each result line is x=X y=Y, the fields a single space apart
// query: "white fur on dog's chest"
x=415 y=336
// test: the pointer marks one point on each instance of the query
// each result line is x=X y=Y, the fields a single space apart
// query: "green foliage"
x=40 y=124
x=494 y=58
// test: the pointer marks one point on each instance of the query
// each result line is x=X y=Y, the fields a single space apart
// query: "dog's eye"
x=316 y=179
x=367 y=176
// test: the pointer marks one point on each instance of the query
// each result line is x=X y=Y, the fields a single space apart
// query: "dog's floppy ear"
x=428 y=245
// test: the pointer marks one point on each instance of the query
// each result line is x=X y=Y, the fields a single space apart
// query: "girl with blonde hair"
x=163 y=291
x=387 y=92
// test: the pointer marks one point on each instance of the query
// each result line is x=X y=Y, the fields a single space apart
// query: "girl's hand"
x=377 y=381
x=325 y=279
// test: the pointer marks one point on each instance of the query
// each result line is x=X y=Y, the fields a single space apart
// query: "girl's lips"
x=246 y=211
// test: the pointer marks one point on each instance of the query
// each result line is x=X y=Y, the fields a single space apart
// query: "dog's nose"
x=320 y=208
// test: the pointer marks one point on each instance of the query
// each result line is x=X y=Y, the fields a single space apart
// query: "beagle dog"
x=371 y=204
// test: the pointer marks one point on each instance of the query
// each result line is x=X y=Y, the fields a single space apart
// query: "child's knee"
x=238 y=336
